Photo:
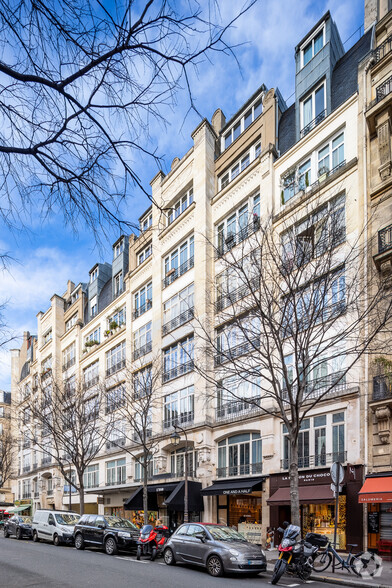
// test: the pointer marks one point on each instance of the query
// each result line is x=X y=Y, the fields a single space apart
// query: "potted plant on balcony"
x=113 y=325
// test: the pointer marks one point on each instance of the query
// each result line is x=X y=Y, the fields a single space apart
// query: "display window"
x=320 y=518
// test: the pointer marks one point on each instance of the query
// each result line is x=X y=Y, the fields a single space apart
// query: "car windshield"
x=67 y=519
x=26 y=520
x=118 y=522
x=225 y=533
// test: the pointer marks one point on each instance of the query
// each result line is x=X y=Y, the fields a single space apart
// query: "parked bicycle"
x=359 y=563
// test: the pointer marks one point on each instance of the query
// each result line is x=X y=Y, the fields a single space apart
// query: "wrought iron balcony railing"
x=315 y=388
x=239 y=470
x=382 y=388
x=383 y=49
x=69 y=364
x=115 y=367
x=382 y=91
x=142 y=309
x=231 y=297
x=143 y=350
x=181 y=419
x=177 y=321
x=313 y=123
x=318 y=460
x=89 y=382
x=232 y=239
x=26 y=469
x=116 y=482
x=175 y=273
x=179 y=370
x=385 y=239
x=237 y=351
x=236 y=408
x=46 y=460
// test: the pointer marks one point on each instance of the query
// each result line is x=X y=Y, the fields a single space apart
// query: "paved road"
x=41 y=565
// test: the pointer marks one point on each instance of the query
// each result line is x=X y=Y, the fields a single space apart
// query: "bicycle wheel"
x=322 y=561
x=365 y=564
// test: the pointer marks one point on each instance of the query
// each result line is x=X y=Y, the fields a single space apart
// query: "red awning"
x=378 y=489
x=307 y=495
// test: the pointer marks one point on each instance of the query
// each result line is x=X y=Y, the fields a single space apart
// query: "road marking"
x=130 y=559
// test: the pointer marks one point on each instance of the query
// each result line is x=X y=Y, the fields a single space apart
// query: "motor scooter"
x=152 y=541
x=295 y=557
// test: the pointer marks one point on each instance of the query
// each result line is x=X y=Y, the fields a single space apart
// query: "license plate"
x=254 y=562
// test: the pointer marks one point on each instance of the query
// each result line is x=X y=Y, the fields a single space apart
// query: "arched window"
x=239 y=455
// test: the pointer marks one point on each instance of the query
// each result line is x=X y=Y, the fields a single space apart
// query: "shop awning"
x=15 y=509
x=307 y=495
x=377 y=489
x=243 y=486
x=135 y=501
x=176 y=499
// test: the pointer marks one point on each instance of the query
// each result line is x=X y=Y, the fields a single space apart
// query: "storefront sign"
x=311 y=478
x=238 y=491
x=373 y=522
x=159 y=489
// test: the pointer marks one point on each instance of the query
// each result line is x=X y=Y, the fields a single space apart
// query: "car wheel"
x=18 y=534
x=168 y=557
x=56 y=540
x=6 y=534
x=35 y=537
x=215 y=566
x=111 y=546
x=79 y=541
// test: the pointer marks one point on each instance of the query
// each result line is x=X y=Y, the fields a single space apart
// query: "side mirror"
x=200 y=536
x=52 y=523
x=100 y=526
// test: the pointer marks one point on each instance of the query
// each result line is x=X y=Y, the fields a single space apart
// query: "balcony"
x=316 y=461
x=120 y=442
x=34 y=466
x=231 y=297
x=237 y=351
x=313 y=123
x=26 y=495
x=137 y=437
x=46 y=461
x=177 y=321
x=143 y=350
x=49 y=492
x=382 y=92
x=181 y=419
x=382 y=388
x=117 y=292
x=69 y=364
x=236 y=409
x=233 y=239
x=115 y=367
x=117 y=482
x=36 y=494
x=89 y=382
x=179 y=370
x=142 y=309
x=175 y=273
x=239 y=470
x=385 y=239
x=315 y=388
x=26 y=469
x=382 y=50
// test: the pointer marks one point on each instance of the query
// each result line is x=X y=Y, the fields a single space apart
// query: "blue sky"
x=47 y=253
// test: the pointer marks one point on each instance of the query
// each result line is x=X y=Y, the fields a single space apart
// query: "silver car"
x=218 y=548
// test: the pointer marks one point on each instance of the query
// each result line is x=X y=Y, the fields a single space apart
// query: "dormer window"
x=146 y=223
x=94 y=275
x=243 y=123
x=119 y=248
x=313 y=46
x=313 y=109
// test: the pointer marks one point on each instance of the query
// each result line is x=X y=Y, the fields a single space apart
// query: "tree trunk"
x=145 y=490
x=294 y=492
x=81 y=494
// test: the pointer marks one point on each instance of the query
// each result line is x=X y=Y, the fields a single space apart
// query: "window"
x=146 y=223
x=117 y=435
x=238 y=394
x=91 y=476
x=177 y=462
x=139 y=468
x=115 y=472
x=70 y=385
x=142 y=341
x=115 y=398
x=118 y=248
x=71 y=322
x=303 y=446
x=237 y=339
x=115 y=359
x=178 y=309
x=313 y=109
x=313 y=47
x=143 y=300
x=46 y=366
x=320 y=437
x=118 y=284
x=180 y=206
x=144 y=254
x=331 y=156
x=91 y=408
x=239 y=225
x=239 y=166
x=338 y=444
x=239 y=455
x=118 y=317
x=93 y=307
x=94 y=275
x=246 y=119
x=69 y=356
x=178 y=359
x=179 y=261
x=48 y=336
x=179 y=407
x=91 y=374
x=142 y=382
x=93 y=338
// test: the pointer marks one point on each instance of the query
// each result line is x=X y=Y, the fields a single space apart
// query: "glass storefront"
x=320 y=518
x=243 y=512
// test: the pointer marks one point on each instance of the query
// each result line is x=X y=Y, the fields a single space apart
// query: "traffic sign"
x=337 y=473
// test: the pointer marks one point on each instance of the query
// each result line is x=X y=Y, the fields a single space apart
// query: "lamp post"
x=175 y=437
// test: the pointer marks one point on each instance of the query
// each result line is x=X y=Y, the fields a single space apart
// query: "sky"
x=47 y=253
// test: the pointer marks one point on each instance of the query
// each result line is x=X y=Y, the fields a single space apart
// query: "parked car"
x=110 y=533
x=218 y=548
x=56 y=526
x=18 y=526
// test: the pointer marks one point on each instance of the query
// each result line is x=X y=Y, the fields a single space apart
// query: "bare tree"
x=292 y=303
x=8 y=448
x=135 y=405
x=82 y=81
x=72 y=427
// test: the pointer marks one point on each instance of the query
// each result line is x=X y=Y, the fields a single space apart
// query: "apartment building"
x=160 y=300
x=6 y=496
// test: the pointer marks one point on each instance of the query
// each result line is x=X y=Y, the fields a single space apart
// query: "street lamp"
x=175 y=437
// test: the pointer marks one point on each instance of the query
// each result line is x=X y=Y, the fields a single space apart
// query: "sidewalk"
x=343 y=577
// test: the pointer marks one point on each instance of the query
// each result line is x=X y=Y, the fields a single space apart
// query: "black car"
x=18 y=526
x=110 y=533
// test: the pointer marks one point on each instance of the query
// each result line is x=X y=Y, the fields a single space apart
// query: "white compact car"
x=56 y=526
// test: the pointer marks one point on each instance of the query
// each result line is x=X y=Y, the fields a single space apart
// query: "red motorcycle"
x=152 y=541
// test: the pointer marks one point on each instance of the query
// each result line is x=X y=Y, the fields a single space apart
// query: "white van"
x=56 y=526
